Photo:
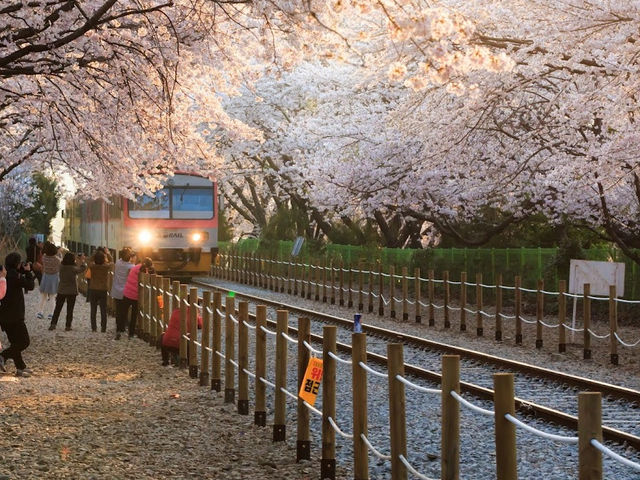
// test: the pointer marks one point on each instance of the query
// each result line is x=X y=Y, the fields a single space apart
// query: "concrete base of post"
x=216 y=384
x=327 y=469
x=518 y=339
x=229 y=395
x=204 y=379
x=586 y=354
x=183 y=363
x=303 y=450
x=381 y=311
x=333 y=301
x=432 y=322
x=260 y=419
x=538 y=343
x=562 y=347
x=479 y=331
x=498 y=335
x=193 y=371
x=279 y=433
x=405 y=317
x=243 y=407
x=341 y=302
x=614 y=359
x=324 y=299
x=393 y=314
x=418 y=319
x=463 y=327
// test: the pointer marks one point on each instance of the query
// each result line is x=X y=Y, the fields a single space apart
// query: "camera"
x=22 y=267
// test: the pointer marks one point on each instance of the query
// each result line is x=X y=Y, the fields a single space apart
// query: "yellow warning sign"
x=311 y=381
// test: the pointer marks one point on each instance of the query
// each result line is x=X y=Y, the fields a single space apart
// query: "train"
x=177 y=226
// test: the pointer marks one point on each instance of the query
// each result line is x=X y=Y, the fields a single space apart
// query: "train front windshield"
x=177 y=202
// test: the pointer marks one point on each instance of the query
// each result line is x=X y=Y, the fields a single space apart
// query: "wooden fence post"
x=479 y=319
x=229 y=351
x=350 y=287
x=380 y=291
x=328 y=461
x=324 y=280
x=505 y=431
x=175 y=298
x=463 y=301
x=359 y=389
x=518 y=309
x=417 y=294
x=289 y=264
x=589 y=427
x=166 y=303
x=205 y=341
x=280 y=399
x=260 y=416
x=154 y=309
x=397 y=423
x=450 y=441
x=430 y=290
x=445 y=308
x=303 y=444
x=193 y=333
x=405 y=295
x=317 y=278
x=499 y=307
x=243 y=358
x=183 y=326
x=146 y=318
x=562 y=316
x=586 y=308
x=370 y=306
x=360 y=286
x=613 y=324
x=392 y=290
x=539 y=312
x=333 y=283
x=216 y=343
x=341 y=277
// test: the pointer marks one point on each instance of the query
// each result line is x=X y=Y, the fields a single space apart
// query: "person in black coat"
x=19 y=277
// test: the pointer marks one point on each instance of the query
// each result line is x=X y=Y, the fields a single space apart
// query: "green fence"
x=530 y=264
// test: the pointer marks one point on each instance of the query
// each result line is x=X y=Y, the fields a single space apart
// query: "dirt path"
x=97 y=408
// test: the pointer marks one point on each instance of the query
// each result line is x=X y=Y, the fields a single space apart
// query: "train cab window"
x=151 y=207
x=192 y=202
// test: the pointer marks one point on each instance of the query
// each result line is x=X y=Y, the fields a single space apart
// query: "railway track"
x=541 y=393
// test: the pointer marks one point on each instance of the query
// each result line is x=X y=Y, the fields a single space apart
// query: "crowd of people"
x=57 y=271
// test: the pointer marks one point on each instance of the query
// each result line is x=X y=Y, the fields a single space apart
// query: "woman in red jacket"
x=170 y=339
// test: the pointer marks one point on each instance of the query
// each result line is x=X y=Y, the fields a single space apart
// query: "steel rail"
x=523 y=406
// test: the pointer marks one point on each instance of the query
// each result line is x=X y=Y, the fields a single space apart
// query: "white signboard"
x=598 y=274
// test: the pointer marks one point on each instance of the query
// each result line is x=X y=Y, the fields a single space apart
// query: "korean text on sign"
x=311 y=381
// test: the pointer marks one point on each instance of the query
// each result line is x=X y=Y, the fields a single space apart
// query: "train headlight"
x=144 y=237
x=196 y=237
